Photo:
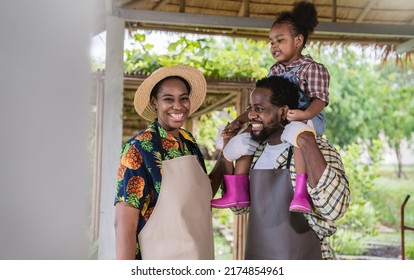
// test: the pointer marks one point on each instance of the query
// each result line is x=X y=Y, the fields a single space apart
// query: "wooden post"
x=240 y=221
x=111 y=130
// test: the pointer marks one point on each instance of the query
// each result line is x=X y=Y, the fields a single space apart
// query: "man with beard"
x=273 y=232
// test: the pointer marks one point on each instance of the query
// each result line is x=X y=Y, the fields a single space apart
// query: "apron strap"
x=289 y=158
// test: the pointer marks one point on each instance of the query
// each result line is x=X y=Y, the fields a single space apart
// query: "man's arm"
x=326 y=176
x=329 y=191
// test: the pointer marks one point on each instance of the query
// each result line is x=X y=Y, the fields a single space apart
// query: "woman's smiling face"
x=172 y=104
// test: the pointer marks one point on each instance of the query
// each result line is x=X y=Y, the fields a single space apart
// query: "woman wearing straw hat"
x=163 y=193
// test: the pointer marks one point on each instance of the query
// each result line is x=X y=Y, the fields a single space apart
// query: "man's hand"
x=293 y=130
x=240 y=145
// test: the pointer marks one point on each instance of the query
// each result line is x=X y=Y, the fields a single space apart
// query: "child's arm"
x=242 y=165
x=231 y=129
x=314 y=108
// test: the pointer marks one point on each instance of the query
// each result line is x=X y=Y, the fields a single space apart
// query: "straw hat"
x=193 y=76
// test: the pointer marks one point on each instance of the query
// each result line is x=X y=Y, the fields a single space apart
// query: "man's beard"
x=272 y=127
x=263 y=135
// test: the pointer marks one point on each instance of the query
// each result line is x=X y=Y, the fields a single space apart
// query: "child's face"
x=283 y=46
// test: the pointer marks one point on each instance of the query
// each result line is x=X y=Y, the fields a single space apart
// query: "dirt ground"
x=393 y=252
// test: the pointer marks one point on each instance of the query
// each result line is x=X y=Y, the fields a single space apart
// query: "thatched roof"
x=375 y=22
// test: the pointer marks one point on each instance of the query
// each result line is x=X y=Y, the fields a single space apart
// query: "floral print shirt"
x=140 y=168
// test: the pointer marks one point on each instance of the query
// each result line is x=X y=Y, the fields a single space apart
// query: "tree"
x=352 y=113
x=361 y=218
x=398 y=100
x=369 y=100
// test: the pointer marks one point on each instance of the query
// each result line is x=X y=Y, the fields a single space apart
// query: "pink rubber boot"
x=300 y=201
x=237 y=192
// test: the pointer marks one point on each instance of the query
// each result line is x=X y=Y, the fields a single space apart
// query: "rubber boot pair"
x=301 y=199
x=237 y=192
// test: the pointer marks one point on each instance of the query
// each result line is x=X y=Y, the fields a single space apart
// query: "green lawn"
x=390 y=192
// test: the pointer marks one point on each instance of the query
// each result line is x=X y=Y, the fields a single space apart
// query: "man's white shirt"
x=267 y=159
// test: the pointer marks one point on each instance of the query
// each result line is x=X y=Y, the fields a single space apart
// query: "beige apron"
x=274 y=233
x=180 y=227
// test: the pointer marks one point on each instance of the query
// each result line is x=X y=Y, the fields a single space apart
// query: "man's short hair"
x=284 y=92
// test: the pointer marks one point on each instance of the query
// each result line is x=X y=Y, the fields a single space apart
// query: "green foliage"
x=361 y=218
x=140 y=59
x=186 y=51
x=355 y=84
x=398 y=121
x=223 y=57
x=362 y=173
x=409 y=250
x=363 y=92
x=237 y=58
x=222 y=248
x=347 y=243
x=368 y=100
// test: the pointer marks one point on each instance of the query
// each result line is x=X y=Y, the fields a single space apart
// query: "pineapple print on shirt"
x=140 y=169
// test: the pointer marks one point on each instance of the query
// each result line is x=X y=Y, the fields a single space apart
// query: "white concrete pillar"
x=44 y=126
x=112 y=132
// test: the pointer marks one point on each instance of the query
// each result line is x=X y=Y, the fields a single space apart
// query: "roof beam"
x=203 y=20
x=182 y=6
x=130 y=4
x=219 y=104
x=365 y=11
x=244 y=9
x=159 y=4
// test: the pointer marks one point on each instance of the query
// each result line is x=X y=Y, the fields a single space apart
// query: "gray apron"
x=273 y=232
